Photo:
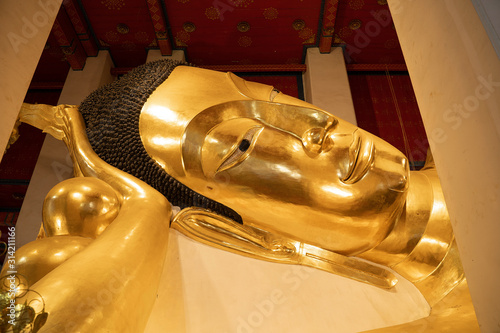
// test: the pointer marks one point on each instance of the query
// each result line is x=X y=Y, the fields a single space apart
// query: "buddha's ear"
x=223 y=233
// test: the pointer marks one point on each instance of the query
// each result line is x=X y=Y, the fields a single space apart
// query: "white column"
x=54 y=163
x=326 y=84
x=456 y=76
x=156 y=55
x=24 y=28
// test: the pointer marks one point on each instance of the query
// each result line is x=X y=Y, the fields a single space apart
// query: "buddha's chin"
x=394 y=171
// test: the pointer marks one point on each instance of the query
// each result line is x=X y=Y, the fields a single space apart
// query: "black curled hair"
x=111 y=115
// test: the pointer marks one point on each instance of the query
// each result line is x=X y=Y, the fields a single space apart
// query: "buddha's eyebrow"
x=281 y=129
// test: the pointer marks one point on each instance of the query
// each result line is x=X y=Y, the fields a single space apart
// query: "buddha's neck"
x=422 y=245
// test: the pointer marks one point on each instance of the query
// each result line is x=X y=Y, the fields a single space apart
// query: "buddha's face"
x=282 y=164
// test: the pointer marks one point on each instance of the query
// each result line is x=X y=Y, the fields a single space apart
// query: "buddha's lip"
x=360 y=158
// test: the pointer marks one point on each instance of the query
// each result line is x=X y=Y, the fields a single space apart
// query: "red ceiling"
x=215 y=40
x=127 y=49
x=271 y=38
x=376 y=41
x=52 y=66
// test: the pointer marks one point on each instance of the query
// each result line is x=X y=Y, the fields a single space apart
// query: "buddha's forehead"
x=182 y=97
x=189 y=90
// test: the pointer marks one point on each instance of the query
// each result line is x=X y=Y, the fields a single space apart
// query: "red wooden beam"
x=160 y=27
x=235 y=68
x=328 y=26
x=80 y=25
x=376 y=67
x=258 y=68
x=68 y=40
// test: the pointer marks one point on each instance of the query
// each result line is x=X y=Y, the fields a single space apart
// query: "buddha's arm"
x=218 y=231
x=109 y=286
x=65 y=123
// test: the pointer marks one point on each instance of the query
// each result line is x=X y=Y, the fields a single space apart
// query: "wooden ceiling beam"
x=286 y=68
x=80 y=25
x=258 y=68
x=376 y=67
x=236 y=68
x=68 y=40
x=328 y=26
x=160 y=26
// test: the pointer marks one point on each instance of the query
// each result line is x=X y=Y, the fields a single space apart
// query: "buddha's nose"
x=316 y=140
x=312 y=139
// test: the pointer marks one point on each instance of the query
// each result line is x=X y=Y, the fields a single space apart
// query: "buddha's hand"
x=48 y=118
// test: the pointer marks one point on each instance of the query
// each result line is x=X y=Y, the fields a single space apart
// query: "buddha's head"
x=250 y=151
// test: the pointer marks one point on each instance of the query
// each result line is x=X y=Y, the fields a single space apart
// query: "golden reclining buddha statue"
x=237 y=165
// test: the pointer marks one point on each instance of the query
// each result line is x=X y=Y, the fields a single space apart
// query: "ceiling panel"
x=123 y=27
x=208 y=31
x=271 y=38
x=375 y=40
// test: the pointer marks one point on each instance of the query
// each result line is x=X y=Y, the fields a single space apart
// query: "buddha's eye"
x=244 y=145
x=242 y=150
